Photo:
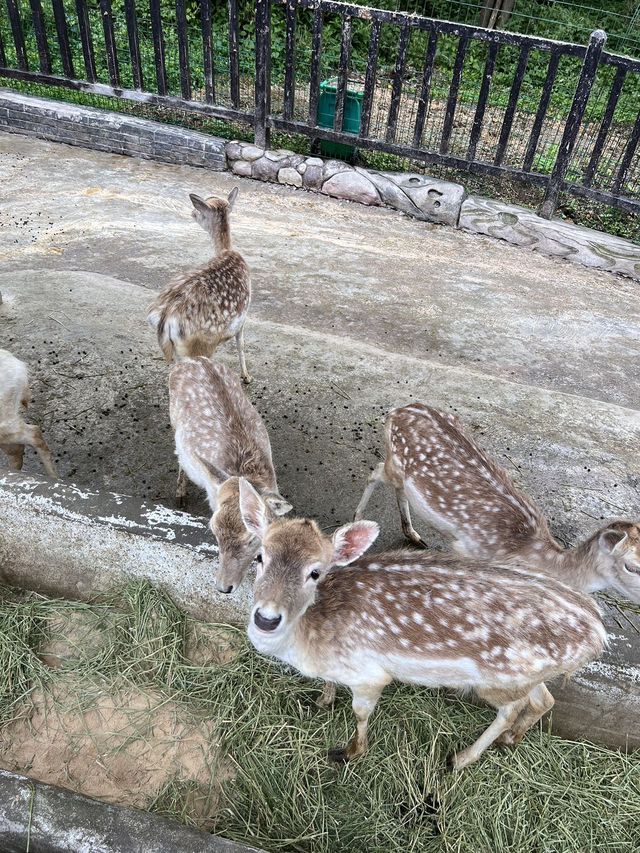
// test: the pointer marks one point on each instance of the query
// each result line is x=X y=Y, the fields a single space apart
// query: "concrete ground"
x=354 y=310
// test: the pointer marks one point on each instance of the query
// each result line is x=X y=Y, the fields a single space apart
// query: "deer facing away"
x=415 y=618
x=437 y=467
x=219 y=437
x=15 y=433
x=202 y=309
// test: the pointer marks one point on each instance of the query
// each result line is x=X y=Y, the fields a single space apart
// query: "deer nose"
x=266 y=624
x=227 y=590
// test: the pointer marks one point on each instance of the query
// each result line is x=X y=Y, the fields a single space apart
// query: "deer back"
x=456 y=486
x=14 y=388
x=215 y=424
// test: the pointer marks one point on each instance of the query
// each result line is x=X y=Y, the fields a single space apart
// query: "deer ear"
x=277 y=504
x=253 y=510
x=199 y=203
x=231 y=198
x=612 y=541
x=218 y=475
x=352 y=540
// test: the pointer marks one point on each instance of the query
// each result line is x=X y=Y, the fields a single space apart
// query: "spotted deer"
x=15 y=432
x=219 y=436
x=416 y=618
x=202 y=309
x=437 y=467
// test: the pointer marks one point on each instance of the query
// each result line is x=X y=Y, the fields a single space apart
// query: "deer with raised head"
x=15 y=432
x=416 y=618
x=220 y=437
x=206 y=307
x=435 y=466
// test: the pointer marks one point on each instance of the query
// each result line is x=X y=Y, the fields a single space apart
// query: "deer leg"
x=181 y=489
x=539 y=702
x=506 y=717
x=15 y=452
x=375 y=477
x=244 y=373
x=35 y=438
x=328 y=695
x=405 y=519
x=365 y=699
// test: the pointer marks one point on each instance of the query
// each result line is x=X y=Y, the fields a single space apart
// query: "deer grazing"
x=202 y=309
x=416 y=618
x=219 y=437
x=437 y=467
x=15 y=433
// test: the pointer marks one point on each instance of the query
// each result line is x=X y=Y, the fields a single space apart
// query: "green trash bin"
x=350 y=120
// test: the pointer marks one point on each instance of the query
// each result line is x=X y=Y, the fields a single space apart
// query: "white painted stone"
x=291 y=177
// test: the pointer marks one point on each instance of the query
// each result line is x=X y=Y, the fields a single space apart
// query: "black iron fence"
x=561 y=116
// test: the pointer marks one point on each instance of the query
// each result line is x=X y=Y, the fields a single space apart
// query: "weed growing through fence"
x=279 y=791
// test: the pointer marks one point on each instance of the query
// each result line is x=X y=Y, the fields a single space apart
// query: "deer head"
x=296 y=556
x=618 y=559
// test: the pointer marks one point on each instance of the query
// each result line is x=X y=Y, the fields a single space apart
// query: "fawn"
x=201 y=309
x=15 y=433
x=416 y=618
x=219 y=437
x=438 y=468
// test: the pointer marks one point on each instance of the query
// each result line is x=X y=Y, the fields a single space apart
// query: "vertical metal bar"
x=290 y=60
x=607 y=118
x=316 y=61
x=18 y=37
x=478 y=118
x=421 y=112
x=547 y=88
x=343 y=73
x=262 y=132
x=87 y=43
x=41 y=36
x=158 y=47
x=234 y=73
x=396 y=88
x=370 y=78
x=3 y=55
x=572 y=127
x=207 y=52
x=629 y=151
x=510 y=112
x=110 y=42
x=183 y=50
x=453 y=94
x=63 y=38
x=134 y=43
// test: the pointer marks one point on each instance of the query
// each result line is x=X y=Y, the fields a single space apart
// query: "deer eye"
x=635 y=570
x=313 y=575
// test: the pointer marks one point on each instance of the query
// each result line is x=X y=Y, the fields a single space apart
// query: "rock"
x=550 y=236
x=296 y=159
x=302 y=168
x=242 y=168
x=332 y=167
x=250 y=152
x=233 y=150
x=265 y=169
x=312 y=178
x=420 y=195
x=352 y=185
x=279 y=154
x=315 y=161
x=290 y=177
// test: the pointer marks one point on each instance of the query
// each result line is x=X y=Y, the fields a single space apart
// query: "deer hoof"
x=181 y=501
x=338 y=754
x=247 y=379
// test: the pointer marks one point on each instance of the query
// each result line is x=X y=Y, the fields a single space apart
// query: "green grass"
x=547 y=796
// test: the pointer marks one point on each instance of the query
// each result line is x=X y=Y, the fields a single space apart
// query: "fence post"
x=571 y=128
x=262 y=132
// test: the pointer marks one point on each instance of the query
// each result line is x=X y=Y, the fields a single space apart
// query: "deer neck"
x=577 y=567
x=221 y=235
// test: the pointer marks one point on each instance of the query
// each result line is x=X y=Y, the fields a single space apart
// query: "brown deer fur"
x=201 y=309
x=219 y=437
x=416 y=618
x=15 y=433
x=437 y=467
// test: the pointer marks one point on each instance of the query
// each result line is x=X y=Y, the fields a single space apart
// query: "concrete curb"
x=46 y=819
x=419 y=196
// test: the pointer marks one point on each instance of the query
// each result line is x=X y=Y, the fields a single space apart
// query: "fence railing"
x=560 y=116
